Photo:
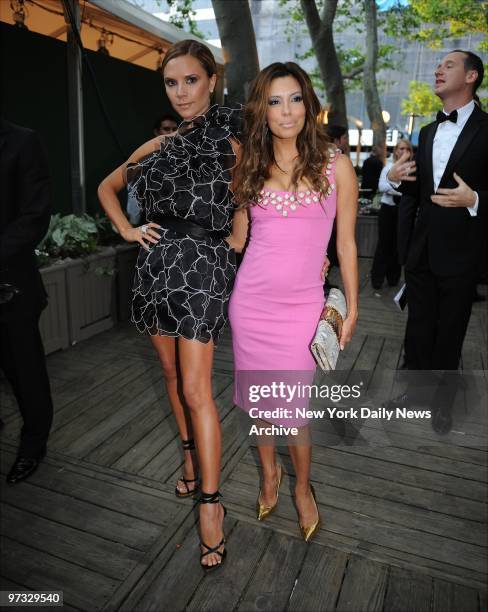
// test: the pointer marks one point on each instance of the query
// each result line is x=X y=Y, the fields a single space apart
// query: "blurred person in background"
x=385 y=262
x=371 y=171
x=24 y=220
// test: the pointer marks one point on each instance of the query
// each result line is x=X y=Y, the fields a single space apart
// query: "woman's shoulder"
x=149 y=147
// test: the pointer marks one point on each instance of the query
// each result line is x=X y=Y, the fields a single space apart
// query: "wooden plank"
x=121 y=441
x=101 y=490
x=483 y=599
x=145 y=456
x=148 y=574
x=109 y=392
x=408 y=591
x=379 y=506
x=450 y=597
x=148 y=447
x=364 y=586
x=183 y=568
x=110 y=559
x=274 y=579
x=97 y=424
x=168 y=462
x=404 y=467
x=40 y=571
x=320 y=580
x=427 y=550
x=82 y=515
x=245 y=547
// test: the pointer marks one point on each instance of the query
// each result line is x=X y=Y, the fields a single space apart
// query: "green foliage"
x=70 y=236
x=183 y=16
x=350 y=13
x=421 y=100
x=432 y=22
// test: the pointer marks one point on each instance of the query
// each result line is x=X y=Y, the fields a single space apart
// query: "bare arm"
x=240 y=222
x=240 y=226
x=347 y=198
x=112 y=185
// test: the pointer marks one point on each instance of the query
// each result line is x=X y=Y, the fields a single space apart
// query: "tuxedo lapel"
x=429 y=143
x=465 y=137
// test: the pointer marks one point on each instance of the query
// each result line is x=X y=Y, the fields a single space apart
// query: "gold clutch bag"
x=325 y=345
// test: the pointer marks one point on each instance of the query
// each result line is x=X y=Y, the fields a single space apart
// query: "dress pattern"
x=182 y=284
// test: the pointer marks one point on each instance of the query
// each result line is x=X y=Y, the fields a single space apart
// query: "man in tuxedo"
x=24 y=220
x=449 y=182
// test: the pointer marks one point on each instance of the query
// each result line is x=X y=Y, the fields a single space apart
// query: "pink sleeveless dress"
x=278 y=293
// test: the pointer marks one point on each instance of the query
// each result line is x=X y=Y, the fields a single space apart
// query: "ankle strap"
x=189 y=444
x=210 y=498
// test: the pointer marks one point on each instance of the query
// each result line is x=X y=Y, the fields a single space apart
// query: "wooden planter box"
x=125 y=263
x=90 y=291
x=53 y=324
x=366 y=235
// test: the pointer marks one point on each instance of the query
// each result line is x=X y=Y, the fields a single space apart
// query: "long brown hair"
x=197 y=50
x=257 y=155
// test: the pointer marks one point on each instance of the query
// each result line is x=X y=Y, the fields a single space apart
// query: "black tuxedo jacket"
x=24 y=217
x=454 y=239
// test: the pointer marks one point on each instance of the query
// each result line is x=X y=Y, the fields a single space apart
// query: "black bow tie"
x=443 y=117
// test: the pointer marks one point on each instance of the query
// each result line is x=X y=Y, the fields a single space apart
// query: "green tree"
x=236 y=32
x=183 y=15
x=320 y=27
x=421 y=101
x=451 y=19
x=370 y=86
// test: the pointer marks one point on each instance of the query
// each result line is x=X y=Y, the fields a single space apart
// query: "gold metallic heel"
x=310 y=531
x=262 y=510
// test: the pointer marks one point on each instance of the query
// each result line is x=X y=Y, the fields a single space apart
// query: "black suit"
x=445 y=248
x=24 y=220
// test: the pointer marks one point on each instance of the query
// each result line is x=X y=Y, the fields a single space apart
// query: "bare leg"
x=267 y=457
x=166 y=349
x=301 y=455
x=196 y=369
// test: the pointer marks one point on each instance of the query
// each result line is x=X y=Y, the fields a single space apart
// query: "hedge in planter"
x=86 y=304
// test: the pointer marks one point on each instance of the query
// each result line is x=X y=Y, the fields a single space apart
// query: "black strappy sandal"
x=188 y=445
x=212 y=498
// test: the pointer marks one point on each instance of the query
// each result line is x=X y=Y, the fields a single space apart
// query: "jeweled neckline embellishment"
x=285 y=201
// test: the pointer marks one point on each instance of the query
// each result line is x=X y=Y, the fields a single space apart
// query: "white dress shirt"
x=385 y=188
x=445 y=139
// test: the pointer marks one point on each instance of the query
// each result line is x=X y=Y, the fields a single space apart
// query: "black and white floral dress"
x=182 y=285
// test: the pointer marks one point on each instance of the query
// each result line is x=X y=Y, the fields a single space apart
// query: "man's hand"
x=402 y=170
x=461 y=196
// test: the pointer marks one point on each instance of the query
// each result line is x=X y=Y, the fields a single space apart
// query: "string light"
x=159 y=63
x=19 y=14
x=90 y=24
x=106 y=38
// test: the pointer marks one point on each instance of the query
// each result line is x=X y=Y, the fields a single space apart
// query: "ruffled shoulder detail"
x=218 y=123
x=189 y=176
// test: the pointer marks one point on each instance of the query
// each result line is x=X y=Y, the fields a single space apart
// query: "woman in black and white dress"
x=186 y=265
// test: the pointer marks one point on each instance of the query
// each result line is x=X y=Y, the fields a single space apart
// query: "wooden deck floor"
x=404 y=521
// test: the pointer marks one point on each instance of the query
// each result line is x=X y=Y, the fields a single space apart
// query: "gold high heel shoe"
x=310 y=531
x=262 y=510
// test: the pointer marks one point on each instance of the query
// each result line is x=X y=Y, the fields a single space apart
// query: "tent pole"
x=75 y=109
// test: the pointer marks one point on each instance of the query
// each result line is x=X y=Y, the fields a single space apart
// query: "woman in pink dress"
x=293 y=183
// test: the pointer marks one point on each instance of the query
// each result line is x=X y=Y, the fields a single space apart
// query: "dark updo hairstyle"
x=197 y=50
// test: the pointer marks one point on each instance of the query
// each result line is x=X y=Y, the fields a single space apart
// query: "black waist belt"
x=188 y=228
